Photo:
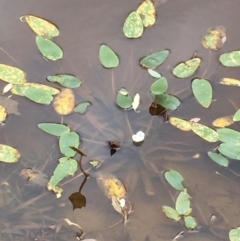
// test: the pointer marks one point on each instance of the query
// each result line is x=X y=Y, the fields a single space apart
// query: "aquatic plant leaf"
x=159 y=86
x=78 y=200
x=204 y=132
x=168 y=101
x=219 y=159
x=202 y=91
x=108 y=57
x=54 y=128
x=147 y=12
x=124 y=101
x=153 y=60
x=3 y=113
x=229 y=136
x=223 y=121
x=183 y=203
x=229 y=81
x=8 y=154
x=215 y=38
x=187 y=68
x=236 y=116
x=116 y=205
x=112 y=187
x=66 y=141
x=49 y=49
x=21 y=88
x=12 y=75
x=95 y=163
x=41 y=26
x=171 y=213
x=154 y=73
x=65 y=80
x=230 y=59
x=7 y=88
x=82 y=107
x=133 y=26
x=180 y=123
x=175 y=179
x=66 y=167
x=190 y=222
x=136 y=102
x=64 y=102
x=230 y=150
x=234 y=234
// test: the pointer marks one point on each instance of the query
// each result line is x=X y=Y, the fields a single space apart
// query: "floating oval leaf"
x=159 y=86
x=223 y=121
x=8 y=154
x=153 y=60
x=65 y=80
x=180 y=123
x=154 y=73
x=229 y=136
x=68 y=140
x=41 y=26
x=136 y=102
x=230 y=150
x=204 y=132
x=183 y=203
x=190 y=222
x=3 y=113
x=171 y=213
x=187 y=68
x=229 y=81
x=133 y=26
x=64 y=102
x=202 y=91
x=124 y=101
x=12 y=75
x=82 y=107
x=107 y=57
x=219 y=159
x=147 y=12
x=168 y=101
x=175 y=179
x=230 y=59
x=234 y=234
x=236 y=116
x=53 y=128
x=49 y=49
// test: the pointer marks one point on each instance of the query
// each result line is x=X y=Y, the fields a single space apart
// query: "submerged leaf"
x=124 y=101
x=230 y=59
x=153 y=60
x=230 y=150
x=183 y=203
x=223 y=121
x=107 y=57
x=49 y=49
x=175 y=179
x=8 y=154
x=68 y=140
x=236 y=116
x=219 y=159
x=229 y=136
x=65 y=80
x=190 y=222
x=202 y=91
x=229 y=81
x=187 y=68
x=3 y=113
x=82 y=107
x=159 y=86
x=168 y=101
x=53 y=128
x=171 y=213
x=133 y=26
x=180 y=123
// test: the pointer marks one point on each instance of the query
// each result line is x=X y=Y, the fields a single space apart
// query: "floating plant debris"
x=156 y=109
x=229 y=81
x=114 y=146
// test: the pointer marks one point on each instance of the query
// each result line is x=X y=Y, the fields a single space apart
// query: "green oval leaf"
x=202 y=91
x=171 y=213
x=180 y=123
x=65 y=80
x=187 y=68
x=190 y=222
x=229 y=136
x=49 y=49
x=236 y=116
x=154 y=73
x=168 y=101
x=107 y=57
x=230 y=59
x=229 y=150
x=204 y=132
x=124 y=101
x=133 y=26
x=153 y=60
x=219 y=159
x=159 y=86
x=8 y=154
x=53 y=128
x=82 y=107
x=68 y=140
x=175 y=179
x=234 y=234
x=183 y=203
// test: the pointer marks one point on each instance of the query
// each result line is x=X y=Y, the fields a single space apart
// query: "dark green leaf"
x=65 y=80
x=107 y=57
x=219 y=159
x=159 y=86
x=175 y=179
x=68 y=140
x=124 y=101
x=53 y=128
x=230 y=150
x=168 y=101
x=229 y=136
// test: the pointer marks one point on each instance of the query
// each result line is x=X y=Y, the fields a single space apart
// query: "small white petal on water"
x=138 y=137
x=136 y=102
x=7 y=88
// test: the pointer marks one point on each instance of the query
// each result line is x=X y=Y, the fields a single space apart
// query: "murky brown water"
x=26 y=211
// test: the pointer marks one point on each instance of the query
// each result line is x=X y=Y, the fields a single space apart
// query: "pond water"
x=28 y=212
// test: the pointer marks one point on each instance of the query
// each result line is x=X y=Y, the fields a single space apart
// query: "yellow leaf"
x=64 y=102
x=223 y=121
x=180 y=123
x=229 y=81
x=3 y=113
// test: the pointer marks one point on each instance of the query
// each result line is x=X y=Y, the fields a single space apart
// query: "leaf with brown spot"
x=64 y=102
